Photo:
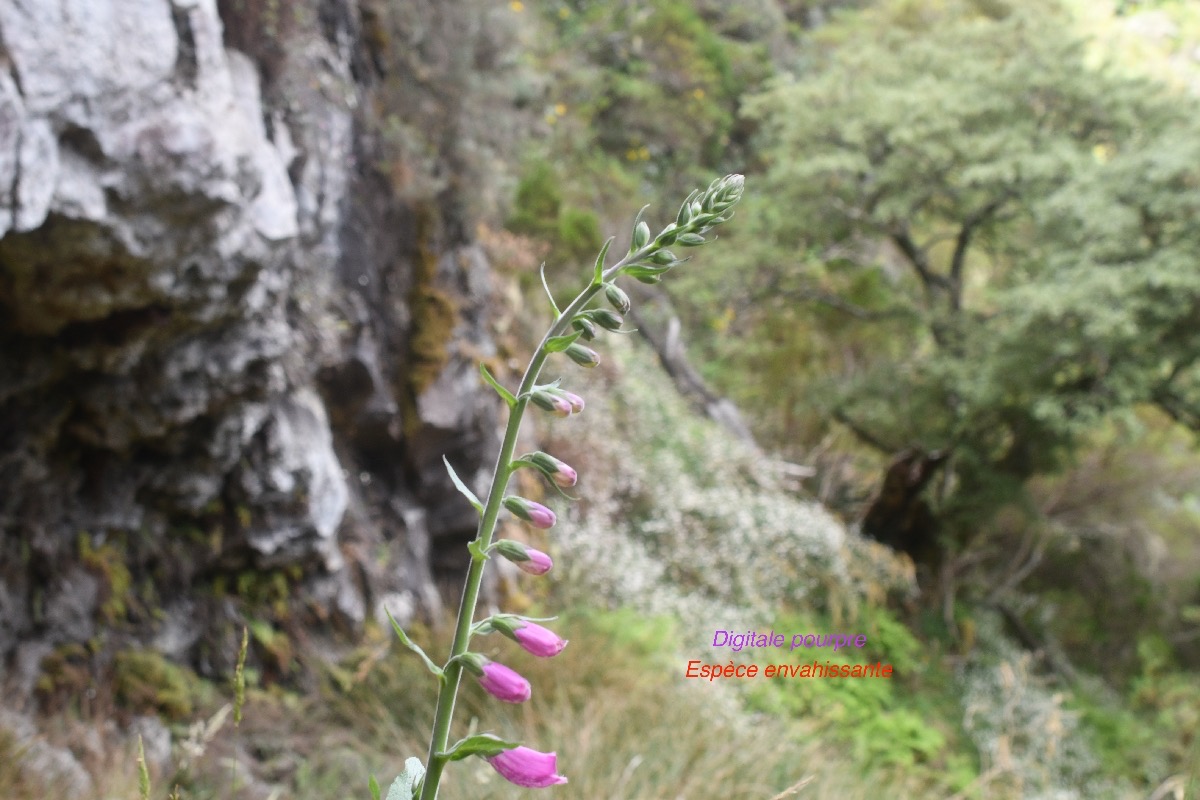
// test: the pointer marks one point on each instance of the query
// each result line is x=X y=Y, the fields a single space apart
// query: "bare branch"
x=963 y=242
x=919 y=259
x=863 y=435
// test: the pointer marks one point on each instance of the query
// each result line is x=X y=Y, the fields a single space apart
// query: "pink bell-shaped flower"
x=527 y=767
x=503 y=683
x=539 y=641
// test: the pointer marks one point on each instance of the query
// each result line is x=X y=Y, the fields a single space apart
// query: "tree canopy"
x=986 y=240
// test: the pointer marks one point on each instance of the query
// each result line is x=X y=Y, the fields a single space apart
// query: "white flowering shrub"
x=1027 y=741
x=728 y=545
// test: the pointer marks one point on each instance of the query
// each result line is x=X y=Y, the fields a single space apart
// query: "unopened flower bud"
x=641 y=235
x=557 y=471
x=667 y=237
x=552 y=402
x=527 y=559
x=529 y=768
x=606 y=319
x=541 y=642
x=585 y=327
x=497 y=680
x=723 y=193
x=617 y=298
x=575 y=401
x=535 y=514
x=583 y=356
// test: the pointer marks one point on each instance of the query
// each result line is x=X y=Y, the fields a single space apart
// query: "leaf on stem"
x=373 y=785
x=462 y=487
x=556 y=344
x=646 y=273
x=546 y=286
x=405 y=785
x=416 y=648
x=598 y=275
x=490 y=380
x=484 y=745
x=476 y=550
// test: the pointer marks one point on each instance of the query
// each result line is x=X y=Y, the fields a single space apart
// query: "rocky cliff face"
x=224 y=377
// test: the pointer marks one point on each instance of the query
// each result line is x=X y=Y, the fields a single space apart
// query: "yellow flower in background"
x=517 y=6
x=1103 y=153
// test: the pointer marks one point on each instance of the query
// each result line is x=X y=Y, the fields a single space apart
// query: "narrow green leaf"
x=556 y=344
x=633 y=244
x=143 y=772
x=685 y=211
x=490 y=380
x=239 y=679
x=462 y=487
x=643 y=271
x=416 y=648
x=373 y=785
x=483 y=745
x=546 y=286
x=638 y=218
x=405 y=786
x=598 y=275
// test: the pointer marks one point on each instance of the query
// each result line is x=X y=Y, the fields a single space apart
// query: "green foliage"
x=65 y=677
x=619 y=674
x=573 y=234
x=145 y=682
x=107 y=562
x=1156 y=734
x=663 y=63
x=1007 y=233
x=905 y=721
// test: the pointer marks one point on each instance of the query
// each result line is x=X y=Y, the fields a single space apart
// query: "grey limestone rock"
x=207 y=368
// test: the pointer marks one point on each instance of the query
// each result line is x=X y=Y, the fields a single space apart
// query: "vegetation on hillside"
x=969 y=231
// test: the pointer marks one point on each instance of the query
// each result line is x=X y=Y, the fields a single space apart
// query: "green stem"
x=439 y=742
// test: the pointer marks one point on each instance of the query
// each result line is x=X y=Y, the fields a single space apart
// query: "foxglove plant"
x=647 y=261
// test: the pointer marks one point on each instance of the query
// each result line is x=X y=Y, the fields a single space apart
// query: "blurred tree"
x=994 y=243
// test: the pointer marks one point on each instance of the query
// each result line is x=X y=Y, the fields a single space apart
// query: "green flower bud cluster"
x=700 y=213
